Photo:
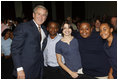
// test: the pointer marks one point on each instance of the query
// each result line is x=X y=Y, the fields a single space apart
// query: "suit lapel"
x=34 y=27
x=37 y=32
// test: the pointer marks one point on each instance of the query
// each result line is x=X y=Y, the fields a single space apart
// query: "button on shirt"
x=49 y=52
x=6 y=46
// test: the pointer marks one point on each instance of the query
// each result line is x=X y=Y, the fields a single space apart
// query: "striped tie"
x=39 y=28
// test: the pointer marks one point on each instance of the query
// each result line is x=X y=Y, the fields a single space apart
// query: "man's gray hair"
x=39 y=6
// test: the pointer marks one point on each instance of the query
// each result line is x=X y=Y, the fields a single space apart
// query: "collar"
x=36 y=23
x=54 y=38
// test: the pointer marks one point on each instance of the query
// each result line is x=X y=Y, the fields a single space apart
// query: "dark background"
x=79 y=8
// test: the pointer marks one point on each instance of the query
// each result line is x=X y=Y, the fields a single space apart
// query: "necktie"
x=39 y=28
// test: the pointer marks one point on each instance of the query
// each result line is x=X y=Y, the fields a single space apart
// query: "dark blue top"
x=70 y=53
x=112 y=54
x=93 y=56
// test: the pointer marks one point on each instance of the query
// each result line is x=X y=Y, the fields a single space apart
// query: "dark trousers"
x=6 y=68
x=81 y=76
x=52 y=73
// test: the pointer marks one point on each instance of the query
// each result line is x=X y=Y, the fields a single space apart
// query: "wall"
x=99 y=8
x=59 y=10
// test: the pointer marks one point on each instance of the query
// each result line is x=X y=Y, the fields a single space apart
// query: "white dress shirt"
x=43 y=36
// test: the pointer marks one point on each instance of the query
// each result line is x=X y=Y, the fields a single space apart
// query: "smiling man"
x=27 y=46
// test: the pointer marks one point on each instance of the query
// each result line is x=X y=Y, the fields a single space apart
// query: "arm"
x=110 y=76
x=16 y=50
x=59 y=60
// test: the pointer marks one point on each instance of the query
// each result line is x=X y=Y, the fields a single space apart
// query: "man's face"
x=85 y=30
x=105 y=31
x=53 y=28
x=40 y=16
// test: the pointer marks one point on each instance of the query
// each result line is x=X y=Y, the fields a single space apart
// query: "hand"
x=74 y=74
x=110 y=76
x=21 y=74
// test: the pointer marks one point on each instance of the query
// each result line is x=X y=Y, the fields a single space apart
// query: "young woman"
x=68 y=48
x=110 y=47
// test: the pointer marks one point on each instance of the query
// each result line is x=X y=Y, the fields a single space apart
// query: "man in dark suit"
x=27 y=46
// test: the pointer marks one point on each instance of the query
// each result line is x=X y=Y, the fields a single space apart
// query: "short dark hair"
x=5 y=31
x=53 y=22
x=108 y=24
x=86 y=22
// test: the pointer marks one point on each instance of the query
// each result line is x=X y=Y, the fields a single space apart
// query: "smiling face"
x=85 y=30
x=52 y=28
x=40 y=16
x=67 y=30
x=105 y=30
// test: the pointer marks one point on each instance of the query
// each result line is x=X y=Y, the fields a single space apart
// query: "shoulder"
x=59 y=47
x=76 y=42
x=20 y=26
x=23 y=26
x=29 y=23
x=59 y=36
x=75 y=39
x=10 y=40
x=58 y=44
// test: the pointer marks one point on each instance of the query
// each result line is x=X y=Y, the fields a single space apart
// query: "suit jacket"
x=26 y=50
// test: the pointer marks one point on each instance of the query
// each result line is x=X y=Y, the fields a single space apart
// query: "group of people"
x=83 y=52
